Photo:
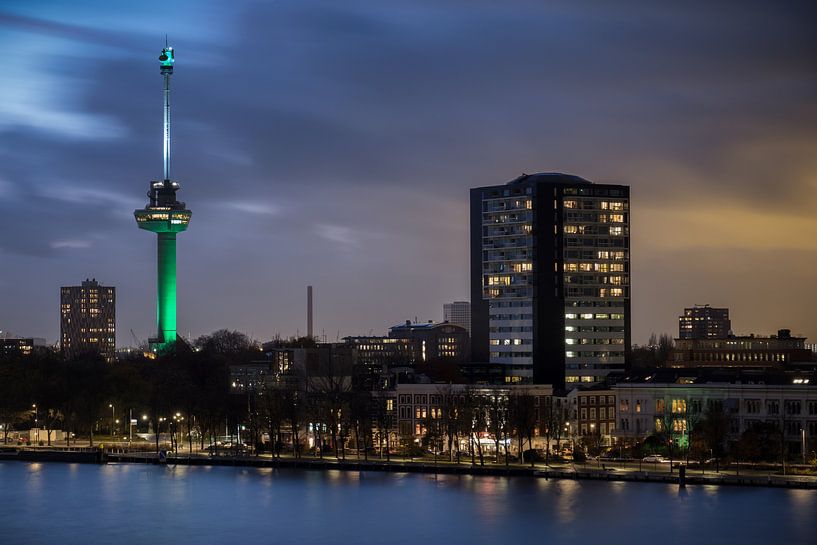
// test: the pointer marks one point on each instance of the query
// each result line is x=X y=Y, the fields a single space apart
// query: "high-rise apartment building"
x=704 y=322
x=458 y=313
x=550 y=278
x=88 y=319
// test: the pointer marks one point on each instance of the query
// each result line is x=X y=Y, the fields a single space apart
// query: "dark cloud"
x=334 y=143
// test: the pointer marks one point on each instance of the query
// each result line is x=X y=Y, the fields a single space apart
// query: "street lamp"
x=36 y=426
x=803 y=447
x=113 y=409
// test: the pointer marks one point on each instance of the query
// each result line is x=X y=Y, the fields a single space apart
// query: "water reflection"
x=86 y=504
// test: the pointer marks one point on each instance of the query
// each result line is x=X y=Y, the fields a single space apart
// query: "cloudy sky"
x=334 y=143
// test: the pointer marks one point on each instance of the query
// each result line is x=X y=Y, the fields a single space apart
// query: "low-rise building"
x=747 y=351
x=418 y=407
x=671 y=402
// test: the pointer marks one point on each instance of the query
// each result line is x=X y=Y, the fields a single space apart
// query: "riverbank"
x=571 y=472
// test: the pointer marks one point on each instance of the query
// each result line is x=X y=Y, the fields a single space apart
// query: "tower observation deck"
x=165 y=216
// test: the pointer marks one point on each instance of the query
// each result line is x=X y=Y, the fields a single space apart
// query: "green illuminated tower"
x=166 y=217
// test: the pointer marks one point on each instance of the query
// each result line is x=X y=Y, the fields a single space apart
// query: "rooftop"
x=550 y=178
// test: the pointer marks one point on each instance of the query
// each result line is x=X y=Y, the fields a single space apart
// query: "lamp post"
x=113 y=416
x=803 y=447
x=36 y=426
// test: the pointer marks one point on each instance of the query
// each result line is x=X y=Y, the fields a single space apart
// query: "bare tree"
x=523 y=419
x=497 y=418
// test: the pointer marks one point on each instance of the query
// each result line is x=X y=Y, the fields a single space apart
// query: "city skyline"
x=354 y=144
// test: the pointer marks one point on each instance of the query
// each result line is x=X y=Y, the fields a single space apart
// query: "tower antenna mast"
x=166 y=60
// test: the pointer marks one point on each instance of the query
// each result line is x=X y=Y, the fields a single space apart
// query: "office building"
x=704 y=322
x=413 y=343
x=88 y=320
x=745 y=351
x=550 y=278
x=458 y=313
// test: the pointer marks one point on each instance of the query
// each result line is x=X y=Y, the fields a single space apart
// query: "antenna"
x=166 y=60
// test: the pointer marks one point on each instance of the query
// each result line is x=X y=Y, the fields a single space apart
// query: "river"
x=70 y=504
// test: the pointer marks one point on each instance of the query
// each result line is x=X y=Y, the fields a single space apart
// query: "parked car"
x=655 y=458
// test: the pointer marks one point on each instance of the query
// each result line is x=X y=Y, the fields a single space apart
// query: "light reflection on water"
x=88 y=504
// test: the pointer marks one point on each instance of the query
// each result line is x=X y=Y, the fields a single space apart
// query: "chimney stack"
x=309 y=311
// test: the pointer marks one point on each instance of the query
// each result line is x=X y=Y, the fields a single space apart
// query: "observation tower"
x=165 y=216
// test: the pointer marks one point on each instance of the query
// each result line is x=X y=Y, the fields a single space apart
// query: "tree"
x=383 y=421
x=523 y=420
x=13 y=400
x=360 y=410
x=656 y=353
x=498 y=419
x=225 y=341
x=88 y=383
x=294 y=412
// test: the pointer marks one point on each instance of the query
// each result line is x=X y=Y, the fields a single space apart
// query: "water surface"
x=120 y=503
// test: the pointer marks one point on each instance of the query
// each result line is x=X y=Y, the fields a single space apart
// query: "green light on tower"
x=165 y=216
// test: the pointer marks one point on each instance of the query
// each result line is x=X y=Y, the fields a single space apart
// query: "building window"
x=792 y=407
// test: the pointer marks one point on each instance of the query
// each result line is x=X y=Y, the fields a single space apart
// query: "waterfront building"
x=746 y=351
x=550 y=278
x=704 y=322
x=592 y=414
x=88 y=319
x=671 y=402
x=418 y=406
x=165 y=216
x=458 y=313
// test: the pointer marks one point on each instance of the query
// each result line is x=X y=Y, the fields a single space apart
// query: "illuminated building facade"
x=418 y=404
x=550 y=278
x=458 y=313
x=88 y=320
x=165 y=216
x=745 y=351
x=413 y=343
x=11 y=347
x=673 y=402
x=704 y=322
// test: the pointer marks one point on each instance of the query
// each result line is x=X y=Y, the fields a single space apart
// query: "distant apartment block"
x=88 y=320
x=550 y=278
x=458 y=313
x=704 y=322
